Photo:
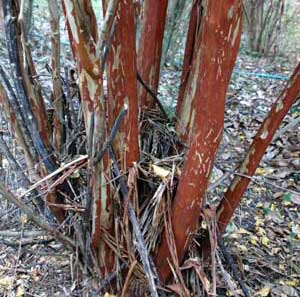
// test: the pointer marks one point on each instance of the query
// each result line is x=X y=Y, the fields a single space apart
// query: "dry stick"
x=107 y=46
x=112 y=135
x=18 y=253
x=261 y=181
x=140 y=242
x=13 y=162
x=38 y=220
x=152 y=93
x=56 y=172
x=126 y=284
x=289 y=126
x=232 y=265
x=14 y=233
x=17 y=167
x=227 y=278
x=212 y=186
x=101 y=153
x=14 y=104
x=16 y=125
x=108 y=280
x=29 y=117
x=106 y=27
x=23 y=243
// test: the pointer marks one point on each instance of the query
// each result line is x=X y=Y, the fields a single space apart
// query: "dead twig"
x=227 y=278
x=232 y=265
x=126 y=284
x=26 y=234
x=25 y=242
x=140 y=242
x=80 y=159
x=38 y=220
x=112 y=135
x=152 y=93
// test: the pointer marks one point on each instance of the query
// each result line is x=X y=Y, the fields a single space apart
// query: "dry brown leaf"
x=160 y=172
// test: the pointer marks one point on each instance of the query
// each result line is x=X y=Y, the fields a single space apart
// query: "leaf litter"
x=263 y=238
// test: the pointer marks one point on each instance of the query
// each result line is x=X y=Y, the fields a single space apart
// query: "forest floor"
x=264 y=237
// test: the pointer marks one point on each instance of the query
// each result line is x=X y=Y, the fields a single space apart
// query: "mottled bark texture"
x=28 y=97
x=257 y=149
x=15 y=127
x=202 y=114
x=57 y=95
x=194 y=24
x=150 y=48
x=82 y=29
x=122 y=85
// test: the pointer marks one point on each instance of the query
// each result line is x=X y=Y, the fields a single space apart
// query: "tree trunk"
x=57 y=95
x=175 y=10
x=83 y=35
x=30 y=100
x=203 y=114
x=194 y=24
x=150 y=48
x=122 y=85
x=258 y=147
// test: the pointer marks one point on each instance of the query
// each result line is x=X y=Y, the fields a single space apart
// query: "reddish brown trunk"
x=194 y=24
x=259 y=145
x=150 y=47
x=215 y=55
x=122 y=86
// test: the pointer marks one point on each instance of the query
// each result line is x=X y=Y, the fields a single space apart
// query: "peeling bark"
x=81 y=23
x=57 y=95
x=194 y=24
x=216 y=50
x=30 y=98
x=33 y=108
x=258 y=147
x=15 y=127
x=150 y=48
x=122 y=85
x=32 y=86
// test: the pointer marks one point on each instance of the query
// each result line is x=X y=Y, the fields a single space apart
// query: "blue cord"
x=263 y=75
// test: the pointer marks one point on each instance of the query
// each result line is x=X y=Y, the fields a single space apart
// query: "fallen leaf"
x=295 y=199
x=20 y=291
x=160 y=172
x=254 y=240
x=24 y=219
x=265 y=241
x=6 y=282
x=109 y=295
x=260 y=231
x=264 y=292
x=243 y=231
x=258 y=221
x=242 y=248
x=263 y=171
x=290 y=283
